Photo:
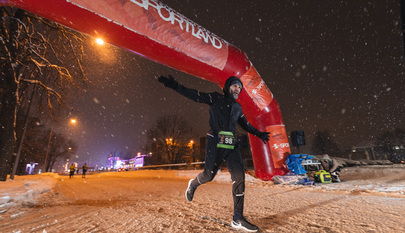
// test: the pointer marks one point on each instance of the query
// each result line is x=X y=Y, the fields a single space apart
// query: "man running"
x=72 y=169
x=225 y=114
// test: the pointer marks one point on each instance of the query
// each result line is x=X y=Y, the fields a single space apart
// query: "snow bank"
x=25 y=189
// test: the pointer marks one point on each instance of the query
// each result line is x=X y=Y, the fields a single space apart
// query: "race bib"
x=226 y=140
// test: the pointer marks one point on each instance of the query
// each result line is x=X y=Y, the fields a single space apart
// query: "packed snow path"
x=130 y=202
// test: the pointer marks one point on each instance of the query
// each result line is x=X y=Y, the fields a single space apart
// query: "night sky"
x=331 y=65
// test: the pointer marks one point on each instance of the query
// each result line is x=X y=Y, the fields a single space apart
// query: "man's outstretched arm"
x=249 y=128
x=189 y=93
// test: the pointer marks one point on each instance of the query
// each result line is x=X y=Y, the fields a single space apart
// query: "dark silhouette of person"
x=84 y=170
x=72 y=170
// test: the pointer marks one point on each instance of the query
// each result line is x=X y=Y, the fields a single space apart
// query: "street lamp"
x=99 y=41
x=191 y=145
x=169 y=141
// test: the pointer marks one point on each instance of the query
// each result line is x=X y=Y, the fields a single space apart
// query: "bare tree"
x=60 y=149
x=172 y=134
x=33 y=51
x=392 y=143
x=33 y=145
x=324 y=143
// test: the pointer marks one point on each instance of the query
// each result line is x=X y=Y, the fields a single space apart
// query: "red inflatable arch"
x=157 y=32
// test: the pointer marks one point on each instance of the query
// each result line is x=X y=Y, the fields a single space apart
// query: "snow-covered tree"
x=33 y=51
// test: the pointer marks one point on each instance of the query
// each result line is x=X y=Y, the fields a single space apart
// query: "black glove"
x=168 y=81
x=264 y=136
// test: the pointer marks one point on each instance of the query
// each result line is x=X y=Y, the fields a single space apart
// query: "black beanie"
x=236 y=81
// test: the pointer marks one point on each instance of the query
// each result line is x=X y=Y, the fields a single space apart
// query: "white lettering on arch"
x=169 y=15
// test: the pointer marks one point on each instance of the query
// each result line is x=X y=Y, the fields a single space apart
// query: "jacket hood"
x=228 y=84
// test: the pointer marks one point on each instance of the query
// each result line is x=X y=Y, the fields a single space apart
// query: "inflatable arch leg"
x=155 y=31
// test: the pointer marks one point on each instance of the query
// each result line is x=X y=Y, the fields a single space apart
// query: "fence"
x=186 y=165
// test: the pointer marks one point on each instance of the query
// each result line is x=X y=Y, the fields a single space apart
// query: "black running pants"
x=213 y=159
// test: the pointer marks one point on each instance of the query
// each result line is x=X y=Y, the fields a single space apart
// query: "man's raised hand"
x=169 y=82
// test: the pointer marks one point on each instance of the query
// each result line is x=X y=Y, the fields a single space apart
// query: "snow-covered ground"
x=386 y=179
x=377 y=192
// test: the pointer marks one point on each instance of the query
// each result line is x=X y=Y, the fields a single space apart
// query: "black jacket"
x=225 y=112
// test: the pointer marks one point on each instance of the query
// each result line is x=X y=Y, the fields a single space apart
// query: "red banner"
x=162 y=24
x=279 y=146
x=256 y=88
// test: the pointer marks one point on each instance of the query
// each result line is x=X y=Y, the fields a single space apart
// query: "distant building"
x=137 y=162
x=114 y=162
x=364 y=150
x=129 y=164
x=370 y=151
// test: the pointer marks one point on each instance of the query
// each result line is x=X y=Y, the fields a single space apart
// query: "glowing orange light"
x=99 y=41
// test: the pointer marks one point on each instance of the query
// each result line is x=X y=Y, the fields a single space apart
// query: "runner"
x=225 y=114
